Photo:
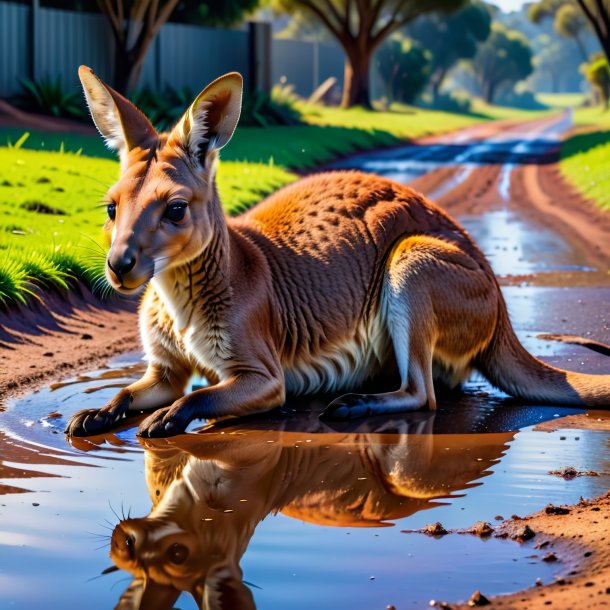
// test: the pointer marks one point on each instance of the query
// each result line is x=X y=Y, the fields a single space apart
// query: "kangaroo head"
x=163 y=210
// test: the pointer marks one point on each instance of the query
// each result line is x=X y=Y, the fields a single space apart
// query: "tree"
x=360 y=26
x=568 y=20
x=598 y=74
x=451 y=38
x=506 y=57
x=404 y=66
x=135 y=23
x=596 y=14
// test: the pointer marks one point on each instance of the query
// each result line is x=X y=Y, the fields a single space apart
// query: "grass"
x=51 y=184
x=585 y=156
x=561 y=100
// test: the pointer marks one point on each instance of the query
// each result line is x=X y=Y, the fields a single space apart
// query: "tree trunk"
x=489 y=89
x=356 y=86
x=128 y=64
x=581 y=47
x=437 y=82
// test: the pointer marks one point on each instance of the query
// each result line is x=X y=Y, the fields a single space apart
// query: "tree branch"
x=342 y=37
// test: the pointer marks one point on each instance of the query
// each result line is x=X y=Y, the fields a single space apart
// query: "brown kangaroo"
x=327 y=283
x=210 y=492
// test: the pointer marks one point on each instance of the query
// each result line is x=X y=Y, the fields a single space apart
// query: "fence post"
x=259 y=49
x=34 y=30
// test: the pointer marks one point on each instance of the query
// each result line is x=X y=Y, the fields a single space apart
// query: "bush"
x=525 y=100
x=404 y=66
x=47 y=96
x=163 y=109
x=458 y=102
x=261 y=109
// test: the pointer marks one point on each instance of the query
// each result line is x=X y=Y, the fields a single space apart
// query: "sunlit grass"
x=51 y=185
x=561 y=100
x=585 y=157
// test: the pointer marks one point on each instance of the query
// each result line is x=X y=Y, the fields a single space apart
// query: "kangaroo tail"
x=507 y=364
x=596 y=346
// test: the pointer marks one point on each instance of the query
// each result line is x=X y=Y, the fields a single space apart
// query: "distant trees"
x=568 y=21
x=450 y=38
x=404 y=66
x=360 y=26
x=505 y=58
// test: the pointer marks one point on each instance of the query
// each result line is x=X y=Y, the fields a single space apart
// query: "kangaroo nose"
x=122 y=264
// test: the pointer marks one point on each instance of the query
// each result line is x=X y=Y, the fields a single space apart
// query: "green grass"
x=51 y=185
x=561 y=100
x=585 y=156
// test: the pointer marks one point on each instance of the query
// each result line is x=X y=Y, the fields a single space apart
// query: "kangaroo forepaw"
x=89 y=422
x=349 y=406
x=164 y=422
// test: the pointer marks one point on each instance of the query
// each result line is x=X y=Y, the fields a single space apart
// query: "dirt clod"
x=550 y=557
x=550 y=509
x=54 y=415
x=523 y=533
x=434 y=529
x=478 y=599
x=569 y=472
x=481 y=528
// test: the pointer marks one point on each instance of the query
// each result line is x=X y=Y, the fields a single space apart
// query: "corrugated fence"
x=181 y=56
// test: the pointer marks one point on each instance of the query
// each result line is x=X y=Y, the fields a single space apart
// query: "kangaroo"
x=329 y=282
x=210 y=492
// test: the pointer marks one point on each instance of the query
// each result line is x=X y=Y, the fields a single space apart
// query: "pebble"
x=478 y=599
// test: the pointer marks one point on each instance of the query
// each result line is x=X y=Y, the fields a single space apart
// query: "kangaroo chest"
x=197 y=327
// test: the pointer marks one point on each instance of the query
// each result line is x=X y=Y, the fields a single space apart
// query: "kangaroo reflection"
x=210 y=491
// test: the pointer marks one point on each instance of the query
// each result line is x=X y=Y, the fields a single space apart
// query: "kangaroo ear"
x=211 y=119
x=121 y=124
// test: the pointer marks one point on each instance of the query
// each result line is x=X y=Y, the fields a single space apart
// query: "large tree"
x=505 y=58
x=596 y=14
x=360 y=26
x=135 y=23
x=451 y=38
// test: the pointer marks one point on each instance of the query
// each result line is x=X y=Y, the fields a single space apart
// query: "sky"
x=509 y=5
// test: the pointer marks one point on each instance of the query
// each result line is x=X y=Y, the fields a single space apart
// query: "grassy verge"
x=585 y=156
x=51 y=184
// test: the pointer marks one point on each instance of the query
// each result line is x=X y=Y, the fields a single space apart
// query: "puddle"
x=516 y=246
x=311 y=513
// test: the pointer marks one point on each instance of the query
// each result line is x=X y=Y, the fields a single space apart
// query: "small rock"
x=54 y=415
x=550 y=509
x=478 y=599
x=35 y=504
x=49 y=354
x=86 y=337
x=481 y=529
x=434 y=529
x=499 y=518
x=550 y=557
x=523 y=533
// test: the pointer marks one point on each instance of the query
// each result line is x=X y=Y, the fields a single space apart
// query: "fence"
x=56 y=42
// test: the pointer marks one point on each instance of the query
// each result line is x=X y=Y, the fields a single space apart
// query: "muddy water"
x=297 y=513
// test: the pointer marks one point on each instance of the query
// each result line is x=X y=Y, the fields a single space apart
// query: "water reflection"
x=210 y=491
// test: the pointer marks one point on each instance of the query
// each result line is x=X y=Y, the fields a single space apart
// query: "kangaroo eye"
x=175 y=211
x=111 y=208
x=177 y=553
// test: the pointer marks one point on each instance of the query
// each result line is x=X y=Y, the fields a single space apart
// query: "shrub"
x=261 y=109
x=47 y=96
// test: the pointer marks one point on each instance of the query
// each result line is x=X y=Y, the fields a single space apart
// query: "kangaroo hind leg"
x=407 y=310
x=440 y=308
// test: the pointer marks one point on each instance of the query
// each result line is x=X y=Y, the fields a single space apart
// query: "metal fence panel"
x=14 y=48
x=66 y=40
